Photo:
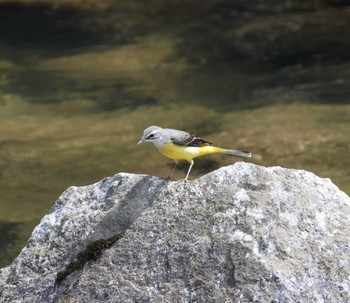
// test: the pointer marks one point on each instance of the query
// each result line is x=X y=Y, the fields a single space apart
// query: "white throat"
x=158 y=142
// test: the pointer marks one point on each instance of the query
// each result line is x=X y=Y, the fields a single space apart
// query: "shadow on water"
x=79 y=81
x=8 y=236
x=12 y=237
x=107 y=97
x=231 y=53
x=40 y=29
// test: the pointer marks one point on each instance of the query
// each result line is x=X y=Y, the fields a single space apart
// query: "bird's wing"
x=189 y=140
x=182 y=138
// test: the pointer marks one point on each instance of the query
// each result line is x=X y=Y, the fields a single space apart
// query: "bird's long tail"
x=213 y=149
x=240 y=153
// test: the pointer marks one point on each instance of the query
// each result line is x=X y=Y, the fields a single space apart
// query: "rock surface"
x=243 y=233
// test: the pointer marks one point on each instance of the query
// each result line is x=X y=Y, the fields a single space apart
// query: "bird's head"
x=153 y=134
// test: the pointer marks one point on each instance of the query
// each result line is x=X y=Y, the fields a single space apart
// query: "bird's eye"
x=150 y=136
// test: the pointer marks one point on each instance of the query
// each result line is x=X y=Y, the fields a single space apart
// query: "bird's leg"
x=172 y=171
x=189 y=170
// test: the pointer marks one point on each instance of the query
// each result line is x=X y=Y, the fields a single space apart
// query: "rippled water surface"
x=80 y=81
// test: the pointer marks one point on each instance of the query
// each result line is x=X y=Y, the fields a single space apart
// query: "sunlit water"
x=79 y=83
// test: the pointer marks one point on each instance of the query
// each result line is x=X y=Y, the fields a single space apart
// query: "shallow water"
x=79 y=83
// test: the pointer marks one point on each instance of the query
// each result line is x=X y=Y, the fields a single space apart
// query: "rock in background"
x=243 y=233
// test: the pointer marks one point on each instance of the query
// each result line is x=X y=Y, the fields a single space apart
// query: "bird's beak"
x=141 y=141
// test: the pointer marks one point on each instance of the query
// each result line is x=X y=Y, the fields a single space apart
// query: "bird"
x=180 y=145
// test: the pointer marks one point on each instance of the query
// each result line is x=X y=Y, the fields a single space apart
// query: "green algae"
x=92 y=252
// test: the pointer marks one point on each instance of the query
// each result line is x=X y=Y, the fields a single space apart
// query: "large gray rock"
x=243 y=233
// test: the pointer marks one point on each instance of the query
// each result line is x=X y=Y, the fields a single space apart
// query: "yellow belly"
x=177 y=152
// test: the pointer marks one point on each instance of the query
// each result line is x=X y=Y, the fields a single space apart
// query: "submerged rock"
x=243 y=233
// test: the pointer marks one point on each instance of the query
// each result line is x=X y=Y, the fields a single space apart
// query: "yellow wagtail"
x=179 y=145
